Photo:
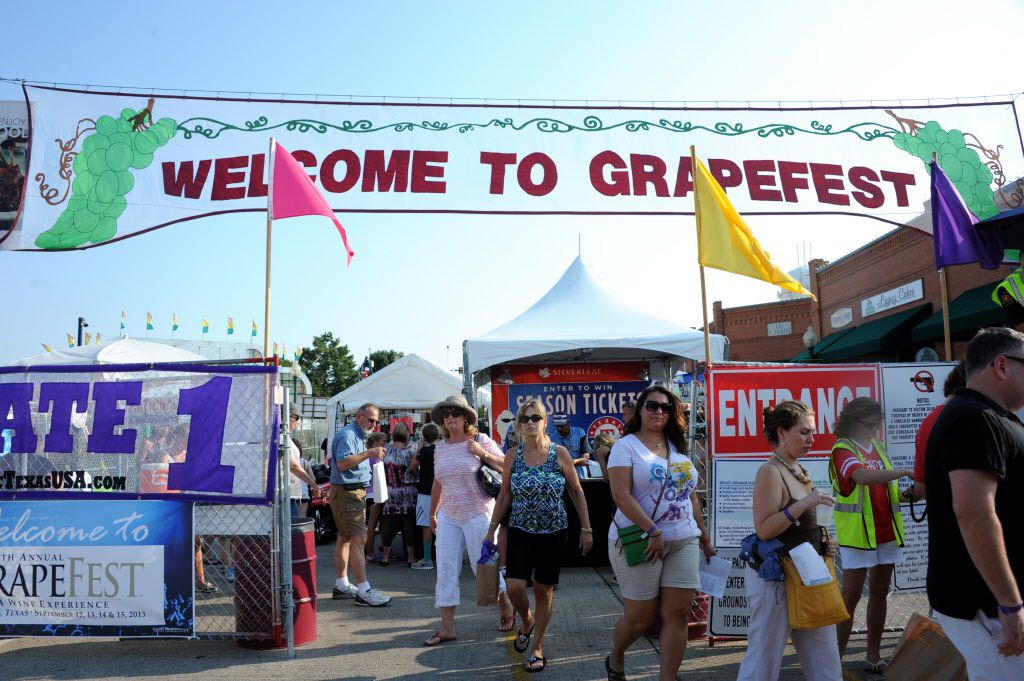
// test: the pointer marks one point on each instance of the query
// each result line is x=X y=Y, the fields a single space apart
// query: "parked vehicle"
x=319 y=509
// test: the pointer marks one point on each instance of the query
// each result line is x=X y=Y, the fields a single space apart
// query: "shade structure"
x=578 y=317
x=409 y=382
x=878 y=337
x=117 y=351
x=824 y=344
x=968 y=312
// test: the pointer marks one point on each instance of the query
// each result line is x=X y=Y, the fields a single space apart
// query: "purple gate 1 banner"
x=158 y=431
x=81 y=568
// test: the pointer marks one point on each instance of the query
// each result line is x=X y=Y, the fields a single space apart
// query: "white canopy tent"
x=578 y=319
x=117 y=351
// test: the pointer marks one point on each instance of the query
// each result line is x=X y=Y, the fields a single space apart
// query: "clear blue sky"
x=421 y=283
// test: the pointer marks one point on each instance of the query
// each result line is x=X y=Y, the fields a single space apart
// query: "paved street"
x=385 y=643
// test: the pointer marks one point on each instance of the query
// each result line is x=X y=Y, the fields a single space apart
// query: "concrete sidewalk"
x=386 y=643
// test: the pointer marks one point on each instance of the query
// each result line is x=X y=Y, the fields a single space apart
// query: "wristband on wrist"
x=589 y=530
x=1009 y=610
x=651 y=531
x=789 y=516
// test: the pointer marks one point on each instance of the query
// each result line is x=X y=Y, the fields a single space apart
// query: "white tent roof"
x=577 y=314
x=409 y=382
x=119 y=351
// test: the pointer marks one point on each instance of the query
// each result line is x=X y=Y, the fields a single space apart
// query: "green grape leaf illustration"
x=103 y=176
x=965 y=168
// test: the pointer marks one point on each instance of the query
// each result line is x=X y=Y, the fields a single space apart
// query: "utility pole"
x=82 y=324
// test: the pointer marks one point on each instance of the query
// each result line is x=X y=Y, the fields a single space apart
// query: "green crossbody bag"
x=632 y=540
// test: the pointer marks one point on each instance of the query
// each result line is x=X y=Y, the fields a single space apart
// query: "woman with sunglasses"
x=535 y=476
x=459 y=509
x=654 y=485
x=869 y=534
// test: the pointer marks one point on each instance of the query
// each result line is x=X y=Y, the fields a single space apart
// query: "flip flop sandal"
x=612 y=674
x=533 y=660
x=875 y=667
x=522 y=641
x=436 y=639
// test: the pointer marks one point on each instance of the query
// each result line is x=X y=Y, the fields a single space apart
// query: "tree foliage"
x=382 y=358
x=329 y=365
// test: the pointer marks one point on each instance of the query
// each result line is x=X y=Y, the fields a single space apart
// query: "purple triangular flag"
x=957 y=242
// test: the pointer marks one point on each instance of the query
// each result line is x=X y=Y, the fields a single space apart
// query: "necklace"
x=657 y=447
x=798 y=471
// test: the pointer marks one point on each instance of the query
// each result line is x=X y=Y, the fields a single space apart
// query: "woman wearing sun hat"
x=459 y=509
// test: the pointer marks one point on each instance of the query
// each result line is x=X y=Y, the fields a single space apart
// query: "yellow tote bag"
x=813 y=606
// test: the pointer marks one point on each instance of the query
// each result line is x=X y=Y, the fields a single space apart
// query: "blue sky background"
x=421 y=283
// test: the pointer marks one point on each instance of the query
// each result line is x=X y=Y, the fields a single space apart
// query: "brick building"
x=881 y=302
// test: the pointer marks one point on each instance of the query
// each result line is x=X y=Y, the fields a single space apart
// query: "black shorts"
x=536 y=556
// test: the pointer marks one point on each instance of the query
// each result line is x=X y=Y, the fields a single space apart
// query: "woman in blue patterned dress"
x=533 y=482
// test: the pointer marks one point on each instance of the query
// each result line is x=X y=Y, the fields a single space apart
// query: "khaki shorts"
x=679 y=569
x=349 y=510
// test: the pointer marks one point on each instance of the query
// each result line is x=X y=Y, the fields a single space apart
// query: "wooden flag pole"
x=270 y=222
x=703 y=290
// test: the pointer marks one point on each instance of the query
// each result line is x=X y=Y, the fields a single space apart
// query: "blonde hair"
x=604 y=440
x=533 y=403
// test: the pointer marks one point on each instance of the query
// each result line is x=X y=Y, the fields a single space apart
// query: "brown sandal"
x=437 y=638
x=613 y=675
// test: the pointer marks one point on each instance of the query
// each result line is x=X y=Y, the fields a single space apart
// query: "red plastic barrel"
x=253 y=588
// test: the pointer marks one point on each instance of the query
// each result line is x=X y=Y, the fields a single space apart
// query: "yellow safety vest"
x=1014 y=285
x=854 y=518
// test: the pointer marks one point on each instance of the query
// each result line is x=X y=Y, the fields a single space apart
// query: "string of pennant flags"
x=280 y=350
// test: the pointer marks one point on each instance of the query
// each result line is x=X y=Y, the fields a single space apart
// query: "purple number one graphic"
x=202 y=470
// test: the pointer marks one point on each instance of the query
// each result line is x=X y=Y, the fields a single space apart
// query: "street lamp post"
x=82 y=324
x=810 y=339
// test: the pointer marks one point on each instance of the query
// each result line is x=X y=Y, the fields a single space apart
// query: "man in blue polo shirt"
x=576 y=441
x=350 y=476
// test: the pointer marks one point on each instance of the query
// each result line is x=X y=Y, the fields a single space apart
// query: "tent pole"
x=270 y=222
x=703 y=289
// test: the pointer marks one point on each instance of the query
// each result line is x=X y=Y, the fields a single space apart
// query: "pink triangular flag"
x=292 y=194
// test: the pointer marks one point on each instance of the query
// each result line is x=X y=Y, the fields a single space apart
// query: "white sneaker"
x=372 y=599
x=349 y=591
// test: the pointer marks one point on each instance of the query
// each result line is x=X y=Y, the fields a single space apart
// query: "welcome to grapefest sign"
x=105 y=166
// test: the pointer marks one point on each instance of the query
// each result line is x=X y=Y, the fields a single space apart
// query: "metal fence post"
x=284 y=509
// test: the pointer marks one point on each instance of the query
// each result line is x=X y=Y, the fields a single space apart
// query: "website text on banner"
x=128 y=163
x=737 y=397
x=590 y=395
x=159 y=431
x=80 y=568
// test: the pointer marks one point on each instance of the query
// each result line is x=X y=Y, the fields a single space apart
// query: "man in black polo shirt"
x=974 y=472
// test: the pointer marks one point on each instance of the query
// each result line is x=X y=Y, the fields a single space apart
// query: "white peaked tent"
x=579 y=319
x=409 y=382
x=118 y=351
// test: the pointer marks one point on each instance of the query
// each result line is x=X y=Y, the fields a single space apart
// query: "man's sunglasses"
x=1015 y=359
x=372 y=422
x=654 y=405
x=446 y=413
x=536 y=418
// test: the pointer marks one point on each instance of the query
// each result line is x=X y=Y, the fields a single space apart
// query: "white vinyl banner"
x=109 y=165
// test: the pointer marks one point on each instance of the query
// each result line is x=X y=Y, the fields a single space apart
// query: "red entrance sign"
x=737 y=397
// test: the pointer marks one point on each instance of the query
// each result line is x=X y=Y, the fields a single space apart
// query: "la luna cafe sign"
x=907 y=293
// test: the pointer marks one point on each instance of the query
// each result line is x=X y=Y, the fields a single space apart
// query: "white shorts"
x=886 y=554
x=423 y=510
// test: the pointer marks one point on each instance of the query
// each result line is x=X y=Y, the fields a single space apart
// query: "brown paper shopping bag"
x=925 y=654
x=487 y=584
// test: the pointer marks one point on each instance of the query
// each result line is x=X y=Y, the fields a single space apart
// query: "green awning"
x=968 y=312
x=882 y=336
x=825 y=343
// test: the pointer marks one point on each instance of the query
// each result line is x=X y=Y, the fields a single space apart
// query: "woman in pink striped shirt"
x=459 y=508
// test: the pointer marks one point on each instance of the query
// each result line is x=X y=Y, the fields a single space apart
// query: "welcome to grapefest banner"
x=104 y=166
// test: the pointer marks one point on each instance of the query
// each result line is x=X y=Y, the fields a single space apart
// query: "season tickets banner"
x=79 y=568
x=591 y=395
x=138 y=431
x=109 y=165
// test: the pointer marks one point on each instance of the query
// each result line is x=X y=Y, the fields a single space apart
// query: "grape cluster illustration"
x=102 y=177
x=962 y=164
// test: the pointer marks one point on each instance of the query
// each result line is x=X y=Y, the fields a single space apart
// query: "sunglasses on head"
x=536 y=418
x=450 y=412
x=654 y=405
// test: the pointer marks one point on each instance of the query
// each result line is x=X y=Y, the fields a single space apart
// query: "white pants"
x=818 y=649
x=455 y=539
x=977 y=640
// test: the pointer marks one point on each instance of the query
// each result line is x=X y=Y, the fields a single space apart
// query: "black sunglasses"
x=445 y=413
x=372 y=422
x=1015 y=359
x=536 y=418
x=654 y=405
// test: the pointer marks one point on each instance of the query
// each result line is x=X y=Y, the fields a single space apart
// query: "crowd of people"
x=970 y=466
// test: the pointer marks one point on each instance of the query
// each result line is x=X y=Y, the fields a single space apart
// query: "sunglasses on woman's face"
x=536 y=418
x=654 y=405
x=451 y=413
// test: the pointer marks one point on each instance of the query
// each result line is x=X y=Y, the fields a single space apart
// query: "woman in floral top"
x=400 y=508
x=535 y=476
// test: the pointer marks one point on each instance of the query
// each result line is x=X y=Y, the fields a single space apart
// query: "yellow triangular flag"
x=725 y=242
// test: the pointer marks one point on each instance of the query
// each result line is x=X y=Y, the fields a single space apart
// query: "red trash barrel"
x=253 y=609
